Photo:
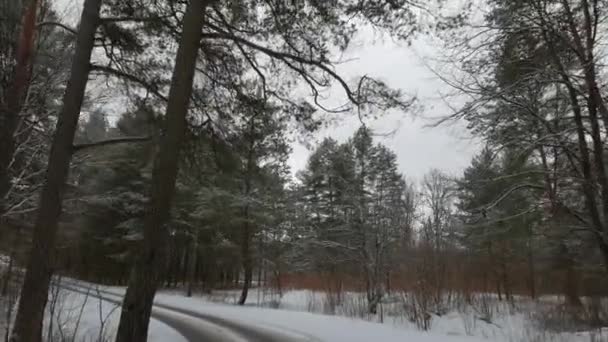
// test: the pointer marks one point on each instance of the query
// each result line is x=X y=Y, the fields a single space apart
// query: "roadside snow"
x=4 y=261
x=160 y=332
x=293 y=318
x=316 y=327
x=507 y=324
x=308 y=326
x=82 y=317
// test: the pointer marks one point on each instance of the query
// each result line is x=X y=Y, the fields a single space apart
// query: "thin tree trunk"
x=505 y=279
x=246 y=234
x=570 y=277
x=11 y=261
x=260 y=273
x=9 y=113
x=531 y=269
x=150 y=263
x=571 y=286
x=192 y=263
x=247 y=264
x=279 y=285
x=9 y=304
x=599 y=228
x=6 y=293
x=34 y=293
x=185 y=267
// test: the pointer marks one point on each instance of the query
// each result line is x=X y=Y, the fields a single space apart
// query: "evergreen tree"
x=356 y=210
x=529 y=97
x=501 y=220
x=111 y=196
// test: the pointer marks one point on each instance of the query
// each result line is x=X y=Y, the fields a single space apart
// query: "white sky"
x=418 y=147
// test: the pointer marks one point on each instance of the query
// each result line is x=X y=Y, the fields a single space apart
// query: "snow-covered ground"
x=4 y=261
x=80 y=317
x=85 y=317
x=314 y=326
x=300 y=325
x=508 y=323
x=300 y=313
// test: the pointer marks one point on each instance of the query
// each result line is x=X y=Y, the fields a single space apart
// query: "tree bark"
x=150 y=263
x=34 y=293
x=247 y=266
x=571 y=290
x=246 y=233
x=192 y=263
x=531 y=268
x=9 y=112
x=599 y=228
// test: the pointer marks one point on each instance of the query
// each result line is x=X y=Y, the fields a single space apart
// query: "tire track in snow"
x=190 y=328
x=198 y=327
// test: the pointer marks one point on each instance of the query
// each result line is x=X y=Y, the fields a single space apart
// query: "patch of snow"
x=508 y=324
x=320 y=327
x=160 y=332
x=4 y=261
x=309 y=326
x=466 y=324
x=89 y=318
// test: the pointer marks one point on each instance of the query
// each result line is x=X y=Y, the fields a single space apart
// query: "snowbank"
x=507 y=324
x=313 y=326
x=85 y=317
x=465 y=324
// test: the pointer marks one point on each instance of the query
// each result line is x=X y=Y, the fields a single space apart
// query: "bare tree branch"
x=58 y=24
x=80 y=147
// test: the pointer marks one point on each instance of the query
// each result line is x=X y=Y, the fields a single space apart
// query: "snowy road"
x=198 y=320
x=197 y=326
x=178 y=318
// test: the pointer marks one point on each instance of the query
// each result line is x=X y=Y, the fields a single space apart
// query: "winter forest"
x=148 y=193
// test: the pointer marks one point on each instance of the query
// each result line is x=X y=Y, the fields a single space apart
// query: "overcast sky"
x=418 y=147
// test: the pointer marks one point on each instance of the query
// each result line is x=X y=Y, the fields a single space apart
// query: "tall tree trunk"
x=8 y=274
x=599 y=228
x=261 y=262
x=531 y=269
x=9 y=112
x=192 y=263
x=570 y=276
x=571 y=286
x=504 y=277
x=34 y=293
x=247 y=264
x=150 y=262
x=246 y=233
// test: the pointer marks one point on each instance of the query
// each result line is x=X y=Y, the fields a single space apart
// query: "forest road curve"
x=202 y=327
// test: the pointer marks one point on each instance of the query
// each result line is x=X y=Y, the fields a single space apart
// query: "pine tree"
x=112 y=183
x=501 y=219
x=28 y=322
x=151 y=259
x=356 y=210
